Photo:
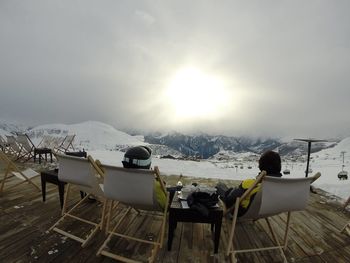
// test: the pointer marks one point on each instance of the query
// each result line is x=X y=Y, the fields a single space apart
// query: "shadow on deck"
x=25 y=220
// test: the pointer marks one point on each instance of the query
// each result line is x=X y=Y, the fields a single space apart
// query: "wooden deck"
x=25 y=220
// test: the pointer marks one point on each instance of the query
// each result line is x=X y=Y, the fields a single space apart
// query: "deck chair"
x=50 y=142
x=66 y=144
x=13 y=147
x=135 y=189
x=277 y=195
x=86 y=176
x=3 y=144
x=27 y=147
x=11 y=170
x=346 y=228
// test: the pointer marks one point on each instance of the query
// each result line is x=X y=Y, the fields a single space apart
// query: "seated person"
x=270 y=162
x=140 y=157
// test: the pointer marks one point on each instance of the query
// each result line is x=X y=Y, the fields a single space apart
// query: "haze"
x=283 y=66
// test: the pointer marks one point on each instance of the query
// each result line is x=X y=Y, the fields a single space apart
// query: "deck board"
x=25 y=220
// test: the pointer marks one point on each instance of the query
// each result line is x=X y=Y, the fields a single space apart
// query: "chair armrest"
x=315 y=177
x=257 y=181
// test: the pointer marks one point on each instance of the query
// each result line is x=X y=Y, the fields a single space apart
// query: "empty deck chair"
x=85 y=175
x=277 y=195
x=27 y=147
x=134 y=188
x=66 y=144
x=13 y=147
x=3 y=144
x=11 y=170
x=346 y=228
x=48 y=142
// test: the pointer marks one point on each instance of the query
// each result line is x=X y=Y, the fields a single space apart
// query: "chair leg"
x=285 y=239
x=103 y=214
x=4 y=179
x=346 y=228
x=276 y=240
x=99 y=252
x=110 y=205
x=65 y=200
x=230 y=245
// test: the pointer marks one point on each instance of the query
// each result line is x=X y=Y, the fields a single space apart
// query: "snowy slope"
x=90 y=135
x=328 y=162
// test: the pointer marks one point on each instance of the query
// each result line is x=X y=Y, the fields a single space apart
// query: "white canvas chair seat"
x=27 y=173
x=11 y=170
x=134 y=188
x=87 y=177
x=277 y=195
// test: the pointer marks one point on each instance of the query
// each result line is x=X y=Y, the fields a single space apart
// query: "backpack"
x=202 y=201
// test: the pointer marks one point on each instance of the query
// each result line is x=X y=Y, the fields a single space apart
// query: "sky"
x=271 y=68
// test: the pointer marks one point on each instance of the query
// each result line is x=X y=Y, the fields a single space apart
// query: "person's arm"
x=257 y=181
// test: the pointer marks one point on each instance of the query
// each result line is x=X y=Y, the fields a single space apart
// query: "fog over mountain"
x=93 y=135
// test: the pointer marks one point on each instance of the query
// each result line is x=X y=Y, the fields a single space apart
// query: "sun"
x=195 y=94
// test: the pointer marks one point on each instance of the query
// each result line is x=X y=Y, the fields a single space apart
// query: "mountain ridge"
x=94 y=135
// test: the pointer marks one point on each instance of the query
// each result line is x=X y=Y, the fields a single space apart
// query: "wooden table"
x=40 y=152
x=179 y=214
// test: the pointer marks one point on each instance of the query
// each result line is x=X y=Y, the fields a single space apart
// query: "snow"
x=103 y=142
x=328 y=162
x=90 y=135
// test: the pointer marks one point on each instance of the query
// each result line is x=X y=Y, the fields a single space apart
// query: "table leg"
x=217 y=236
x=39 y=158
x=172 y=226
x=45 y=157
x=43 y=188
x=61 y=192
x=51 y=157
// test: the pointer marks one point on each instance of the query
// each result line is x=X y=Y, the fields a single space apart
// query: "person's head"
x=270 y=162
x=138 y=157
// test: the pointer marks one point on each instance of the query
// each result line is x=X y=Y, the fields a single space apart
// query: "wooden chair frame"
x=156 y=245
x=27 y=147
x=231 y=251
x=66 y=143
x=346 y=228
x=11 y=168
x=69 y=214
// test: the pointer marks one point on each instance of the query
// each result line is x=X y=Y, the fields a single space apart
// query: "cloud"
x=286 y=66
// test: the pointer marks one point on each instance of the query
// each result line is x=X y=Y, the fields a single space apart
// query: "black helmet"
x=137 y=157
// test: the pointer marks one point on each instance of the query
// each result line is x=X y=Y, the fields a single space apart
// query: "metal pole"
x=308 y=158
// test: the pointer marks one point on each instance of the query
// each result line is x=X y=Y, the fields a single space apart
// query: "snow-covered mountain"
x=90 y=135
x=206 y=146
x=8 y=127
x=93 y=135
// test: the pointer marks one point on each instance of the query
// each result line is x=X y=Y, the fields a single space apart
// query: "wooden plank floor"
x=25 y=220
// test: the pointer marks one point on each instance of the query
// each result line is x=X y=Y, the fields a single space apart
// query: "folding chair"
x=277 y=195
x=12 y=170
x=134 y=188
x=3 y=144
x=86 y=176
x=346 y=228
x=27 y=147
x=67 y=142
x=13 y=147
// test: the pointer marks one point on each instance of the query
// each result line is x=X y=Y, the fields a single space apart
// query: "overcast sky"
x=283 y=66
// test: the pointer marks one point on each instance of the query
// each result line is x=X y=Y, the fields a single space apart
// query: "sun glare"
x=193 y=93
